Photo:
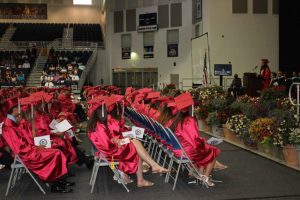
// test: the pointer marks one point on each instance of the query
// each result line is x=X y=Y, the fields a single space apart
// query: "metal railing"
x=297 y=85
x=87 y=69
x=187 y=83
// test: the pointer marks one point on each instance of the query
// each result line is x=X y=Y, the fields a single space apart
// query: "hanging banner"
x=148 y=51
x=172 y=50
x=126 y=53
x=23 y=11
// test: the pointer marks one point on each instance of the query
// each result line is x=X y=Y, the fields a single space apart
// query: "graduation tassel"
x=43 y=105
x=193 y=110
x=102 y=110
x=123 y=109
x=32 y=122
x=19 y=106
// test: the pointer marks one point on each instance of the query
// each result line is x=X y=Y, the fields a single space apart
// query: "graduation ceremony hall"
x=149 y=99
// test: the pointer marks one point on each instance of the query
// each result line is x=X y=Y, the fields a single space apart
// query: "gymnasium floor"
x=248 y=177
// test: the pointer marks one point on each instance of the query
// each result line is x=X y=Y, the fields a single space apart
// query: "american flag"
x=205 y=82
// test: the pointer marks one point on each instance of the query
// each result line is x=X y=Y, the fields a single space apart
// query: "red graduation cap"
x=184 y=101
x=153 y=95
x=145 y=90
x=265 y=60
x=129 y=90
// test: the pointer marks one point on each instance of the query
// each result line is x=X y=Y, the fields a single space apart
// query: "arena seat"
x=87 y=32
x=3 y=27
x=46 y=32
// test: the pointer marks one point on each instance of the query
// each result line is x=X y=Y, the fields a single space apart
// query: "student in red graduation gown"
x=130 y=155
x=49 y=164
x=185 y=127
x=265 y=72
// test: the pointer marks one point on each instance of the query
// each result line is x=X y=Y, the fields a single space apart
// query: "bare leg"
x=209 y=168
x=144 y=155
x=219 y=166
x=141 y=182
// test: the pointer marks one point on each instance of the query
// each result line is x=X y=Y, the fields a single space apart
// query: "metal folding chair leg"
x=94 y=177
x=16 y=171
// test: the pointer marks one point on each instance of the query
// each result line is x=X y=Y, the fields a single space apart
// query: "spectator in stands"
x=14 y=78
x=75 y=77
x=49 y=83
x=43 y=79
x=21 y=78
x=26 y=64
x=236 y=86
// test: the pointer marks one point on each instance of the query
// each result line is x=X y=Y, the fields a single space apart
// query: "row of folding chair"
x=161 y=144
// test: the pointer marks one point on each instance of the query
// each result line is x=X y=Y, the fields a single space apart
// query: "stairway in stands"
x=67 y=40
x=5 y=40
x=34 y=78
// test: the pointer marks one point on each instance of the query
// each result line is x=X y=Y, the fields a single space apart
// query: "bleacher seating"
x=87 y=32
x=37 y=32
x=3 y=27
x=65 y=67
x=15 y=67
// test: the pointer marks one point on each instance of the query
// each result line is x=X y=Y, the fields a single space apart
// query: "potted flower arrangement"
x=261 y=131
x=285 y=138
x=295 y=139
x=237 y=126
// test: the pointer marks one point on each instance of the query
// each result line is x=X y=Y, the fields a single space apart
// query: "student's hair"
x=116 y=113
x=10 y=111
x=97 y=117
x=179 y=118
x=165 y=115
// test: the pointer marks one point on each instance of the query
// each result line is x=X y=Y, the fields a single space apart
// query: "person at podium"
x=265 y=73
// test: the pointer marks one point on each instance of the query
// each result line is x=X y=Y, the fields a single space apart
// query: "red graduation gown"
x=266 y=73
x=126 y=155
x=48 y=164
x=42 y=122
x=195 y=146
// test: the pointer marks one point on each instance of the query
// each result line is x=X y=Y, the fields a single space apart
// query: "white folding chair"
x=17 y=169
x=101 y=161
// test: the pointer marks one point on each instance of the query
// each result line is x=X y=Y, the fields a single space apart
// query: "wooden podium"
x=252 y=84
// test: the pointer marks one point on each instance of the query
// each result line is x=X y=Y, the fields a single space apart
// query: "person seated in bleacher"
x=130 y=156
x=21 y=78
x=26 y=65
x=185 y=127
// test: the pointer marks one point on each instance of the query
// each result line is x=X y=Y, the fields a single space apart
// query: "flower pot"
x=217 y=131
x=230 y=135
x=206 y=127
x=265 y=148
x=200 y=124
x=298 y=152
x=277 y=152
x=290 y=155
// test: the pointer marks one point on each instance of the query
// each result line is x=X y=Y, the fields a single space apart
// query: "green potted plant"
x=295 y=139
x=261 y=131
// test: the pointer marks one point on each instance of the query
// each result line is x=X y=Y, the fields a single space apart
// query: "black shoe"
x=70 y=174
x=60 y=189
x=90 y=164
x=66 y=183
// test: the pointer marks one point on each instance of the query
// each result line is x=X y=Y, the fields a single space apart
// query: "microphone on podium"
x=254 y=68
